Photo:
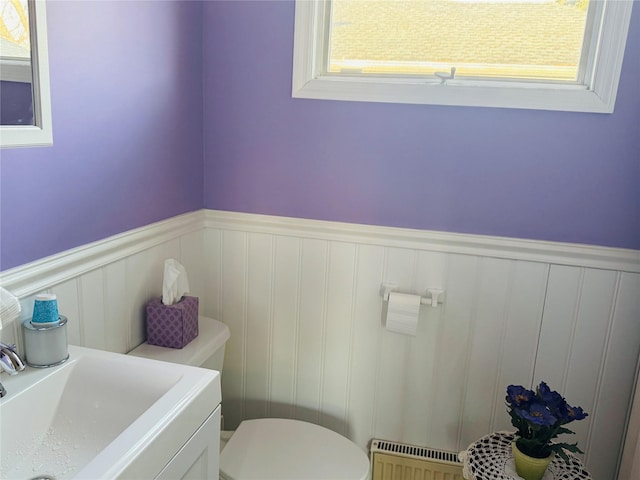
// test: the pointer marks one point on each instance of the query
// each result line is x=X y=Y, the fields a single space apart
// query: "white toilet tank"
x=206 y=350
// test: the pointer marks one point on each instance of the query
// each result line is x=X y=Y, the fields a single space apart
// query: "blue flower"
x=552 y=399
x=576 y=413
x=538 y=414
x=518 y=396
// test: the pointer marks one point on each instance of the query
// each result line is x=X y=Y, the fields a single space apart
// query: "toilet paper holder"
x=431 y=298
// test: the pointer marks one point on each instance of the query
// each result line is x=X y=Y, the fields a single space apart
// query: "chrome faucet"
x=10 y=362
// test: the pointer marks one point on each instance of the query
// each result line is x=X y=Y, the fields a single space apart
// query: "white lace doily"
x=491 y=458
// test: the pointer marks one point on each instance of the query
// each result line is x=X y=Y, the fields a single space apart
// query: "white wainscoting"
x=102 y=287
x=302 y=300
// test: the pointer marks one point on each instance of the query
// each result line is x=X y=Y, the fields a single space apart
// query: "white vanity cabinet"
x=110 y=416
x=199 y=458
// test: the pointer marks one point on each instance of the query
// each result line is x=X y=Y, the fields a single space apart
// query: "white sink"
x=101 y=415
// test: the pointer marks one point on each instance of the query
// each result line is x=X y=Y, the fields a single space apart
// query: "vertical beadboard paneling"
x=510 y=299
x=286 y=283
x=430 y=273
x=259 y=297
x=489 y=321
x=115 y=309
x=190 y=256
x=155 y=259
x=137 y=296
x=519 y=339
x=311 y=330
x=92 y=309
x=338 y=336
x=234 y=312
x=211 y=300
x=559 y=321
x=68 y=305
x=575 y=344
x=617 y=374
x=452 y=350
x=393 y=368
x=170 y=249
x=588 y=346
x=367 y=331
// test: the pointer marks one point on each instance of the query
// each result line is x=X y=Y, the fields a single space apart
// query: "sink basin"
x=101 y=415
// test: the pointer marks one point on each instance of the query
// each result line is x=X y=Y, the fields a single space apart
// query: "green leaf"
x=562 y=430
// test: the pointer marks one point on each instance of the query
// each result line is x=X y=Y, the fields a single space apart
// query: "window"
x=15 y=49
x=16 y=97
x=537 y=54
x=25 y=103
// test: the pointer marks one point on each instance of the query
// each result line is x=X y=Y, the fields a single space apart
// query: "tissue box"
x=172 y=325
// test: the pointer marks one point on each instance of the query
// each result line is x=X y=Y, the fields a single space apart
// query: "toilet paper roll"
x=402 y=313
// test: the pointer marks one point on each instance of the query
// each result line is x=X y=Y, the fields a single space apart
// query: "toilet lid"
x=281 y=449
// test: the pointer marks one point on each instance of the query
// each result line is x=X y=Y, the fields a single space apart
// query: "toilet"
x=267 y=448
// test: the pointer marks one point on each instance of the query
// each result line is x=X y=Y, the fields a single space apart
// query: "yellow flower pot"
x=530 y=468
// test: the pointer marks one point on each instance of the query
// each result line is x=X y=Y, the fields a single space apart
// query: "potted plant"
x=539 y=416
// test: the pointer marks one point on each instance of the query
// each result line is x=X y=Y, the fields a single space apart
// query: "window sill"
x=572 y=98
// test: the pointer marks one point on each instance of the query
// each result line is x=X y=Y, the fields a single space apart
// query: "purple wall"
x=568 y=177
x=129 y=137
x=126 y=88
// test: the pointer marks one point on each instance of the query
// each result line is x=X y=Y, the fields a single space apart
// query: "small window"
x=25 y=100
x=16 y=96
x=15 y=48
x=538 y=54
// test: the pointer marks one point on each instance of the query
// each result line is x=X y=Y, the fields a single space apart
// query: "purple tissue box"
x=172 y=325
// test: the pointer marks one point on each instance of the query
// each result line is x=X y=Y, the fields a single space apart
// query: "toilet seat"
x=282 y=449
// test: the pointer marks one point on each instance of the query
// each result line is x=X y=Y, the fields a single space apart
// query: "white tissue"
x=175 y=282
x=9 y=306
x=403 y=312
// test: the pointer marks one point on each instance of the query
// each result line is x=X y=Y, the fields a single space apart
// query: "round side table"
x=491 y=458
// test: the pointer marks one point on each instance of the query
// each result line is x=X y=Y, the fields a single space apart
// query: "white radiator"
x=398 y=461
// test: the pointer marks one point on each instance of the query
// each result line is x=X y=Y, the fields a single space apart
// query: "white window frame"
x=598 y=94
x=41 y=133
